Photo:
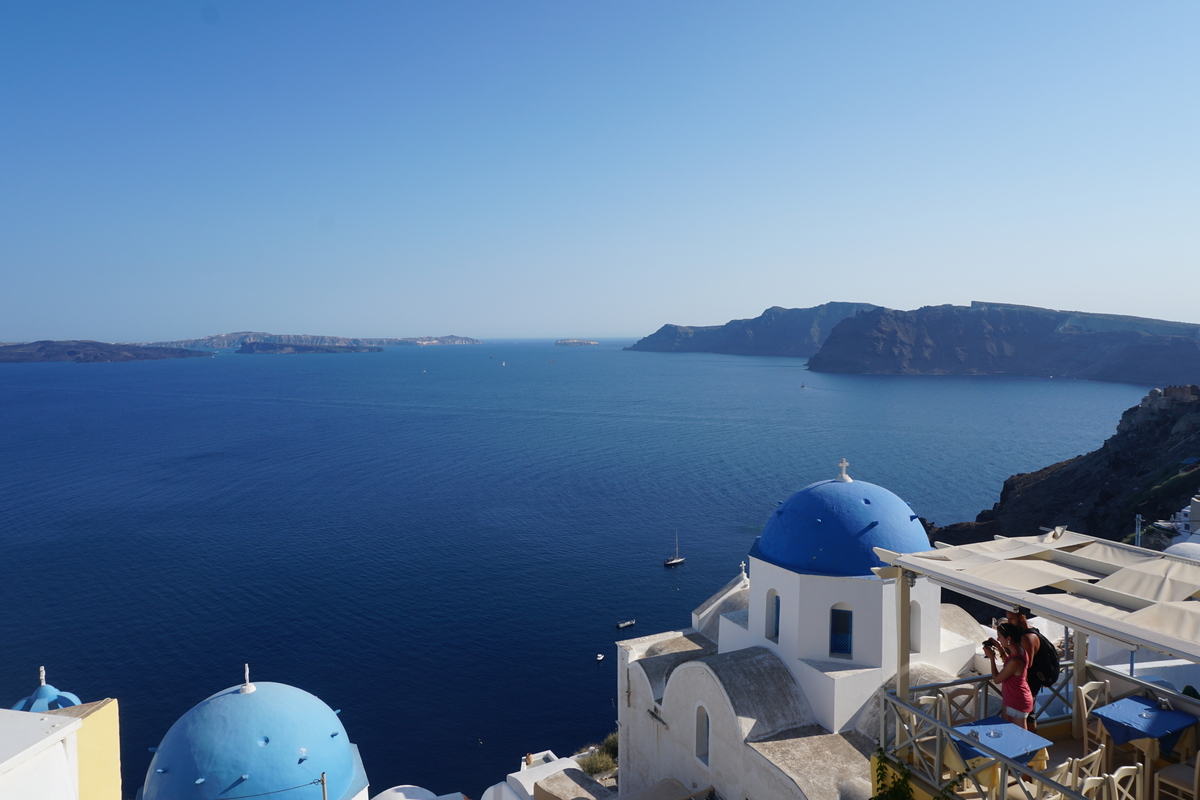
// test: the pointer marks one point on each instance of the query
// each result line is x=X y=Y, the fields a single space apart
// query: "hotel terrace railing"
x=911 y=735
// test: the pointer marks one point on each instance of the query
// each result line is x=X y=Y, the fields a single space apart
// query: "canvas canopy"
x=1141 y=598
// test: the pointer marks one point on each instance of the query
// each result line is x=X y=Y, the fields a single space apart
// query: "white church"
x=764 y=694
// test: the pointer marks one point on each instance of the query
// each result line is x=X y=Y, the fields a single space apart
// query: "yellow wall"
x=99 y=749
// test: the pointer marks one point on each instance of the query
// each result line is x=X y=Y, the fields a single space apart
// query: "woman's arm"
x=1009 y=669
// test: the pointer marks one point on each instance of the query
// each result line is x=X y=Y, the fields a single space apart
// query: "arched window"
x=772 y=615
x=702 y=731
x=914 y=627
x=841 y=631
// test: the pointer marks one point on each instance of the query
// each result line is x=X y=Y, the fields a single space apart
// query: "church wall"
x=638 y=733
x=819 y=594
x=765 y=578
x=651 y=751
x=50 y=774
x=733 y=636
x=733 y=769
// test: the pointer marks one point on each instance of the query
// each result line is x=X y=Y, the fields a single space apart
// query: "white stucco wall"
x=38 y=756
x=651 y=750
x=838 y=688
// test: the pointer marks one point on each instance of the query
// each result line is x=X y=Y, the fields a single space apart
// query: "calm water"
x=434 y=543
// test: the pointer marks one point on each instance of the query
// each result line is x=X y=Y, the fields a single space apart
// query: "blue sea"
x=439 y=541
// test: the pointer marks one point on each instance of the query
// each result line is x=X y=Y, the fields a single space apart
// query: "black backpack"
x=1044 y=670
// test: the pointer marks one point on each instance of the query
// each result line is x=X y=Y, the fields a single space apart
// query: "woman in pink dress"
x=1011 y=678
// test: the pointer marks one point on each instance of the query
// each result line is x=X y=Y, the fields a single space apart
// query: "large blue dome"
x=830 y=528
x=274 y=737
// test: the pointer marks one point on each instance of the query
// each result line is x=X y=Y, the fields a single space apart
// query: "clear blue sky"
x=516 y=169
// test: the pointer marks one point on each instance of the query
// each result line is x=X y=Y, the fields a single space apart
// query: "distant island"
x=84 y=351
x=277 y=348
x=797 y=332
x=573 y=342
x=1003 y=339
x=232 y=341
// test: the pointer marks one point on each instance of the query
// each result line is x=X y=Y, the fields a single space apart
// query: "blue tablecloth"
x=1124 y=722
x=1013 y=742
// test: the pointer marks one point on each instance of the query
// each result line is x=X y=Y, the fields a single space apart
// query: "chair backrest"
x=1093 y=788
x=1125 y=783
x=1090 y=766
x=1092 y=695
x=930 y=705
x=1088 y=698
x=1063 y=774
x=960 y=706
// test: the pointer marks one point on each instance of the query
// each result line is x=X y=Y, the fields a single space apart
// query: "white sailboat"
x=676 y=559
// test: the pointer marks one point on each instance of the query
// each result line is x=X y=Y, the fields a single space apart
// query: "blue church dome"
x=45 y=698
x=830 y=528
x=251 y=739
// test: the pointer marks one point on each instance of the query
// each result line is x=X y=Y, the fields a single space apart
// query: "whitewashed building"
x=760 y=697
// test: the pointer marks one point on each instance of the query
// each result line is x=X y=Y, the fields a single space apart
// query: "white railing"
x=990 y=702
x=918 y=740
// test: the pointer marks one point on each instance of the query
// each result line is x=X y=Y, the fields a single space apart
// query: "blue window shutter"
x=841 y=632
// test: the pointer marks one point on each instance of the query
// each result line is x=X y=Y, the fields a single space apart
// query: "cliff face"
x=995 y=339
x=229 y=341
x=84 y=351
x=1139 y=470
x=797 y=332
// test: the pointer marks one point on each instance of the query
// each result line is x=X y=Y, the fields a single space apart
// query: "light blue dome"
x=233 y=744
x=830 y=528
x=45 y=698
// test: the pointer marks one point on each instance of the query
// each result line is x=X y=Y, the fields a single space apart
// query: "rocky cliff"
x=998 y=339
x=231 y=341
x=797 y=332
x=83 y=351
x=1141 y=469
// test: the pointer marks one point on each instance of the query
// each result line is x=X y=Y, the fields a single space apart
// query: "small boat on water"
x=676 y=559
x=599 y=656
x=626 y=623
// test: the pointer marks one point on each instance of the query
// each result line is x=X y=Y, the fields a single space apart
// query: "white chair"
x=1125 y=783
x=1088 y=698
x=960 y=705
x=1060 y=774
x=924 y=734
x=1178 y=782
x=1090 y=765
x=1093 y=788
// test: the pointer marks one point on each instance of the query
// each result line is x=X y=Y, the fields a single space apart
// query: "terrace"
x=1101 y=734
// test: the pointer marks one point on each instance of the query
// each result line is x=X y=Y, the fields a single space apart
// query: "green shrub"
x=597 y=762
x=609 y=745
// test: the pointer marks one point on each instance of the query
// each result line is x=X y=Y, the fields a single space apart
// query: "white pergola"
x=1139 y=598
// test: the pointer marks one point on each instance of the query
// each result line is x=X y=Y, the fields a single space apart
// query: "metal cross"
x=843 y=464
